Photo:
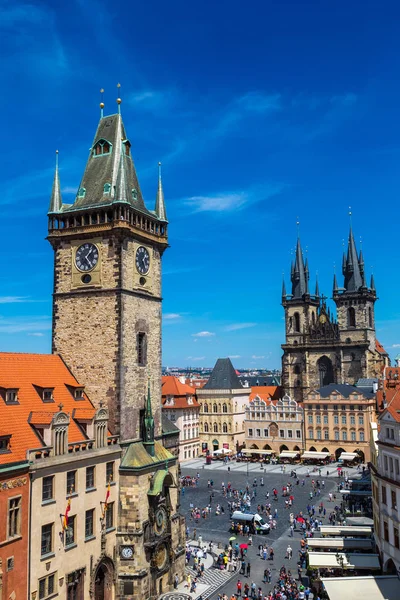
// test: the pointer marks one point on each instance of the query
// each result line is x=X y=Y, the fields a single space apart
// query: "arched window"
x=325 y=370
x=205 y=427
x=370 y=322
x=297 y=369
x=81 y=192
x=101 y=147
x=215 y=428
x=215 y=409
x=225 y=428
x=296 y=317
x=107 y=188
x=219 y=408
x=224 y=408
x=351 y=317
x=205 y=407
x=141 y=349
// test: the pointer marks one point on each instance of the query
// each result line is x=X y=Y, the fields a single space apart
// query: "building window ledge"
x=92 y=489
x=47 y=556
x=70 y=547
x=73 y=495
x=90 y=538
x=111 y=529
x=50 y=501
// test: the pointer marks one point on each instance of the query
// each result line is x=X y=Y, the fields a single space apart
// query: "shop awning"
x=222 y=451
x=348 y=456
x=288 y=454
x=362 y=588
x=339 y=543
x=317 y=455
x=256 y=451
x=346 y=530
x=328 y=560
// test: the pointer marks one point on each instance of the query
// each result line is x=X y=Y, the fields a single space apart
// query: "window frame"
x=69 y=491
x=49 y=550
x=14 y=517
x=90 y=511
x=90 y=469
x=109 y=511
x=44 y=480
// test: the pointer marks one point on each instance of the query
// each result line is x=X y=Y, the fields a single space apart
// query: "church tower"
x=355 y=313
x=107 y=281
x=300 y=314
x=108 y=247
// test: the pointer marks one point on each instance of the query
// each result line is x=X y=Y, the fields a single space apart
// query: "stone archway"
x=338 y=452
x=360 y=454
x=390 y=568
x=283 y=448
x=103 y=581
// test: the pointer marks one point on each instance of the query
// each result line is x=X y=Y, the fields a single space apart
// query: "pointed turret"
x=148 y=434
x=283 y=290
x=56 y=200
x=372 y=284
x=335 y=284
x=121 y=188
x=110 y=171
x=353 y=280
x=160 y=202
x=299 y=277
x=316 y=287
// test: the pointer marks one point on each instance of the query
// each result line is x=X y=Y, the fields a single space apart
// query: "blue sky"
x=261 y=112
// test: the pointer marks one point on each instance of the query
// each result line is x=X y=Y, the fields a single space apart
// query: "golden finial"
x=119 y=99
x=101 y=102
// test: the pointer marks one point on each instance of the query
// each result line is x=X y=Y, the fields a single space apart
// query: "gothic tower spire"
x=353 y=280
x=299 y=274
x=160 y=202
x=148 y=436
x=56 y=200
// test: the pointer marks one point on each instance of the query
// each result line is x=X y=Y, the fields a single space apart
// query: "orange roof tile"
x=266 y=392
x=25 y=371
x=83 y=414
x=171 y=386
x=380 y=348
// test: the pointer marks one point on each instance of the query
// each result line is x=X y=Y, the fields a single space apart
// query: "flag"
x=107 y=497
x=65 y=518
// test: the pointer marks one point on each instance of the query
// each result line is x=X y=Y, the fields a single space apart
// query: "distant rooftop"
x=223 y=376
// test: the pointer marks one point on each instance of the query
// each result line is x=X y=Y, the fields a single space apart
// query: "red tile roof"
x=25 y=371
x=171 y=386
x=392 y=398
x=380 y=348
x=266 y=392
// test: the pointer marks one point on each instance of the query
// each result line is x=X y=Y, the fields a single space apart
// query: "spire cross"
x=298 y=226
x=323 y=298
x=350 y=214
x=61 y=406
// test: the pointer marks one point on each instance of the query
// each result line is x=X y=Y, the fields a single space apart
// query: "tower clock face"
x=126 y=552
x=160 y=521
x=142 y=260
x=87 y=257
x=161 y=557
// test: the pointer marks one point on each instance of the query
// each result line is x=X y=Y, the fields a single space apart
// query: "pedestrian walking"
x=239 y=588
x=248 y=569
x=289 y=552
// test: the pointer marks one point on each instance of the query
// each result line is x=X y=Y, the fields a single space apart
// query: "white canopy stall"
x=329 y=560
x=362 y=588
x=339 y=543
x=349 y=456
x=346 y=531
x=288 y=454
x=310 y=454
x=256 y=451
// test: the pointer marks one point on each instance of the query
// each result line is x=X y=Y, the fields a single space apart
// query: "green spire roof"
x=148 y=440
x=56 y=200
x=160 y=203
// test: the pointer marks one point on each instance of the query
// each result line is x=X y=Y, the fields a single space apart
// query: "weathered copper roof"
x=137 y=456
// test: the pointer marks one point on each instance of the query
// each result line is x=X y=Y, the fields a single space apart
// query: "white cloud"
x=396 y=346
x=13 y=299
x=203 y=334
x=237 y=326
x=195 y=357
x=226 y=201
x=234 y=356
x=153 y=100
x=68 y=189
x=25 y=324
x=36 y=334
x=260 y=103
x=257 y=357
x=348 y=99
x=171 y=316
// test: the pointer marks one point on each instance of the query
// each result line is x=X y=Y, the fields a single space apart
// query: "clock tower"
x=108 y=248
x=107 y=281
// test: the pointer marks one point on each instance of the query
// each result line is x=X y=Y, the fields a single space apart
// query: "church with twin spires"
x=320 y=349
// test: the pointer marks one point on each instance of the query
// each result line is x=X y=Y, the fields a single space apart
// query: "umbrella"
x=301 y=588
x=232 y=538
x=244 y=546
x=200 y=554
x=300 y=520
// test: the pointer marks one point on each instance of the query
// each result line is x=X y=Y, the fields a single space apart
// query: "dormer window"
x=5 y=444
x=127 y=146
x=47 y=395
x=101 y=147
x=78 y=394
x=81 y=192
x=107 y=188
x=169 y=401
x=12 y=396
x=189 y=400
x=134 y=194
